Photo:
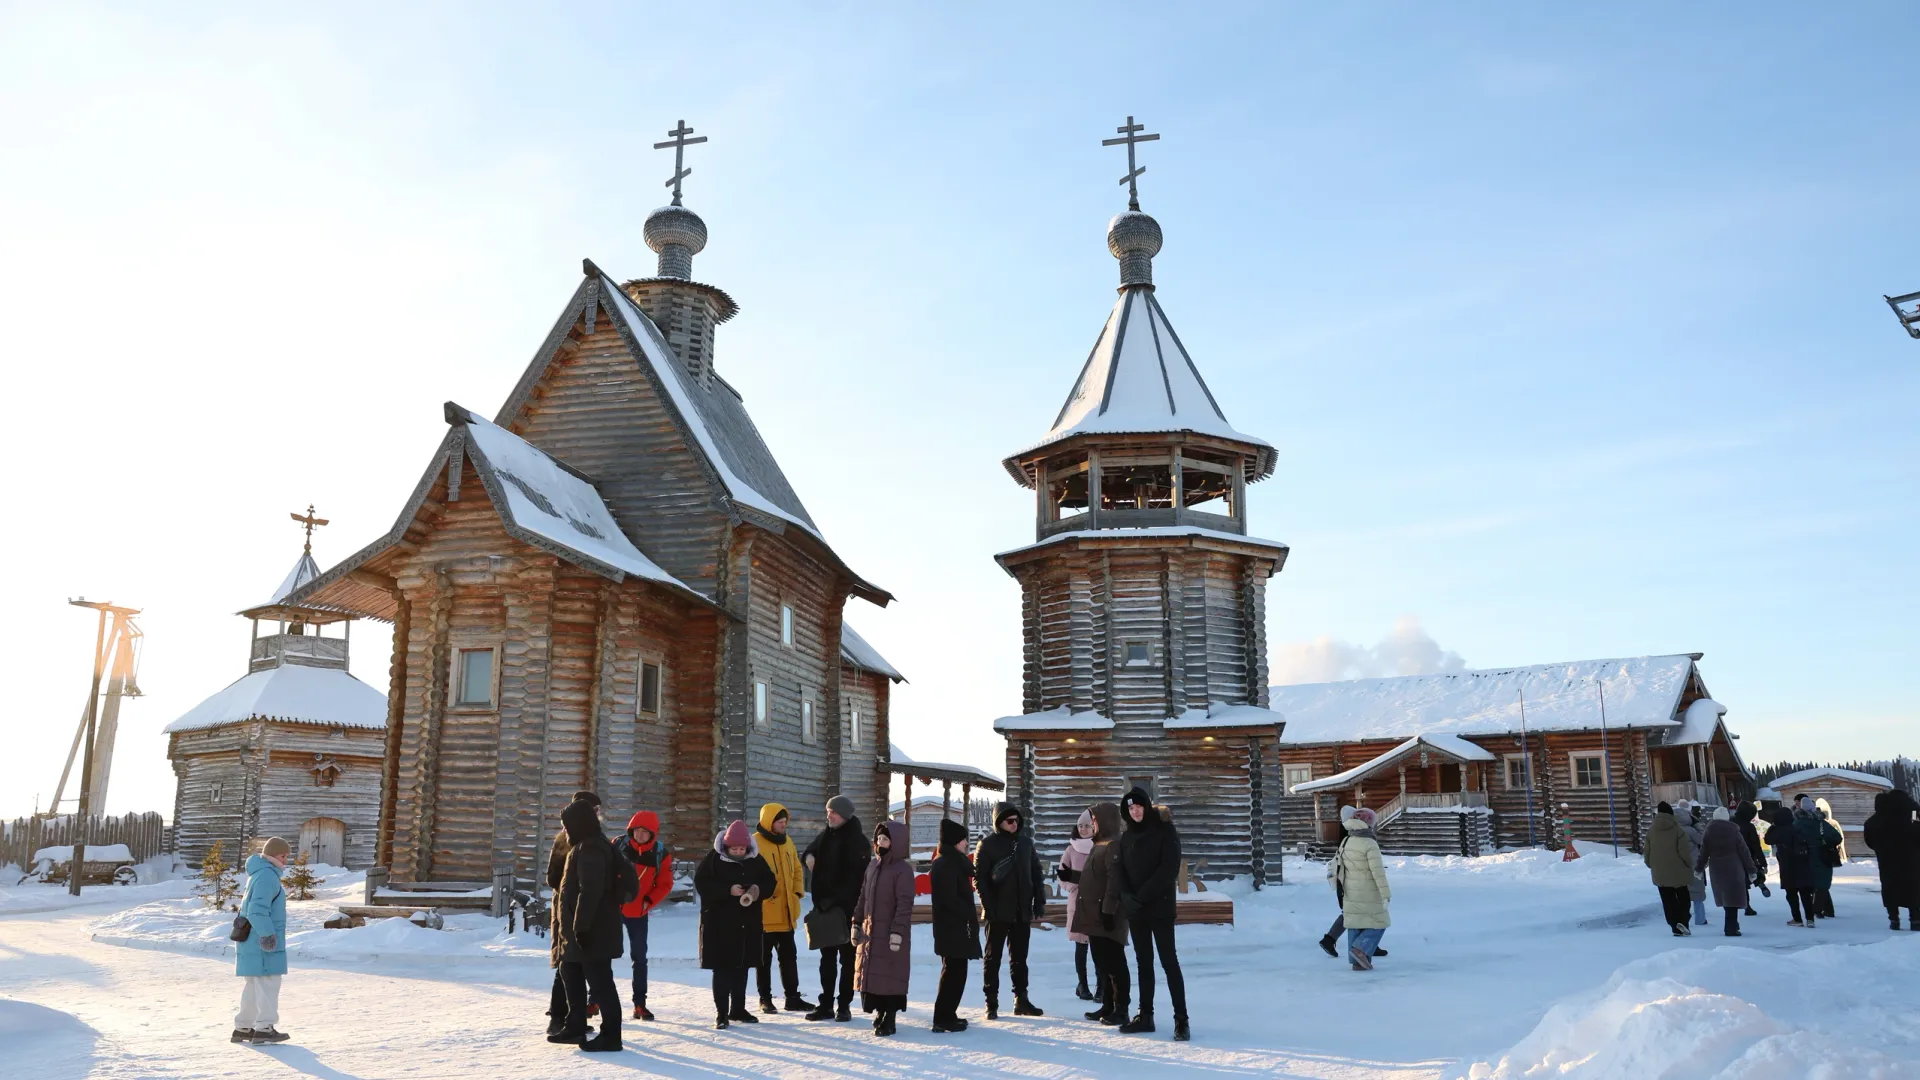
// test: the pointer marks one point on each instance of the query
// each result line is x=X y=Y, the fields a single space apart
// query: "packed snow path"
x=1481 y=949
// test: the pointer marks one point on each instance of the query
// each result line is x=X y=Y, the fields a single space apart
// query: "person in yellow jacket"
x=780 y=910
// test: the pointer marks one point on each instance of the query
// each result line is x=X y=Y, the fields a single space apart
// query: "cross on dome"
x=310 y=522
x=680 y=142
x=1130 y=136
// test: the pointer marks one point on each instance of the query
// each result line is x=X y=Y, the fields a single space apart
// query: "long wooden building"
x=1467 y=762
x=293 y=748
x=1143 y=598
x=611 y=584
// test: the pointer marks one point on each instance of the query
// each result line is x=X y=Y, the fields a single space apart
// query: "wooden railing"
x=1688 y=791
x=1436 y=800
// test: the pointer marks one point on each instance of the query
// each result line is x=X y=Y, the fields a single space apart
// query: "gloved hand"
x=269 y=943
x=893 y=942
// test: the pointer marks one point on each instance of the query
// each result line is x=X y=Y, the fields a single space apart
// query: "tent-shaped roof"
x=297 y=692
x=1641 y=692
x=1139 y=380
x=1451 y=746
x=855 y=650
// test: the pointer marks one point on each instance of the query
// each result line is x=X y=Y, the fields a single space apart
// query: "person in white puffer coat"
x=1364 y=892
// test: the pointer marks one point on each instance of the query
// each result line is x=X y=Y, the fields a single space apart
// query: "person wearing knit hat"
x=261 y=958
x=838 y=860
x=731 y=881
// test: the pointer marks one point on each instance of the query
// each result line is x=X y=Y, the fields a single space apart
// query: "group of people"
x=750 y=884
x=1690 y=850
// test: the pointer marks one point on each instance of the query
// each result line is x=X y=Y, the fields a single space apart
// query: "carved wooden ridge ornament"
x=310 y=522
x=680 y=142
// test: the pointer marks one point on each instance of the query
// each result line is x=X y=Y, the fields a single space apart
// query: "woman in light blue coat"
x=262 y=958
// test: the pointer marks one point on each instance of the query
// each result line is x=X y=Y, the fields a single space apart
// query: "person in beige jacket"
x=1364 y=891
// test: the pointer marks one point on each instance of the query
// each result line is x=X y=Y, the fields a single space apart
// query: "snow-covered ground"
x=1513 y=966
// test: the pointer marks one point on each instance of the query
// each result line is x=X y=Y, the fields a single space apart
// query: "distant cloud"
x=1406 y=650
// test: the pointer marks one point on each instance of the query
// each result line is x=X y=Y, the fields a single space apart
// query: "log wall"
x=264 y=771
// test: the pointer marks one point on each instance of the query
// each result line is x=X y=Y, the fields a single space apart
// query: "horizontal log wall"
x=781 y=765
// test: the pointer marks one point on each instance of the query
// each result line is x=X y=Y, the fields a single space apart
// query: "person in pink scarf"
x=1072 y=862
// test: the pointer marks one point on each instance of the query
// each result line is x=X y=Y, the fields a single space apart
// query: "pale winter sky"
x=1567 y=324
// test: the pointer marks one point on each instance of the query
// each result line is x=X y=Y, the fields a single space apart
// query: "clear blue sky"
x=1567 y=323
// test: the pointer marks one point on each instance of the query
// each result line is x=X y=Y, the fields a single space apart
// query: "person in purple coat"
x=883 y=929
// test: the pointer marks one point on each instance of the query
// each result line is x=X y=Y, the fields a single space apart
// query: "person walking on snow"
x=732 y=881
x=1330 y=944
x=1102 y=917
x=1895 y=839
x=1724 y=858
x=1833 y=854
x=1365 y=893
x=838 y=859
x=1072 y=861
x=1796 y=839
x=1669 y=854
x=1149 y=864
x=653 y=868
x=1693 y=823
x=1013 y=893
x=556 y=866
x=956 y=923
x=780 y=910
x=1744 y=818
x=594 y=884
x=262 y=958
x=883 y=928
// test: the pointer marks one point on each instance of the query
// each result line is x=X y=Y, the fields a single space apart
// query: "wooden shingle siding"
x=264 y=769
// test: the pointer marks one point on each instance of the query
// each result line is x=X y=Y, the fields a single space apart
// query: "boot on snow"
x=1327 y=946
x=1115 y=1017
x=1024 y=1007
x=554 y=1025
x=1142 y=1024
x=269 y=1034
x=797 y=1004
x=843 y=1014
x=993 y=1009
x=1378 y=952
x=743 y=1017
x=766 y=1004
x=823 y=1012
x=641 y=1012
x=1085 y=994
x=602 y=1044
x=1182 y=1033
x=242 y=1035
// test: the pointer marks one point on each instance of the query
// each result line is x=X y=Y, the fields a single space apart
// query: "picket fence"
x=144 y=834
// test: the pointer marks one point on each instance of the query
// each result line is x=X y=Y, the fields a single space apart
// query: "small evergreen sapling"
x=218 y=881
x=299 y=880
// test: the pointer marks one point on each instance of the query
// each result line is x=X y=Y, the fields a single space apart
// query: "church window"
x=214 y=791
x=806 y=720
x=1589 y=770
x=786 y=624
x=761 y=717
x=1516 y=772
x=1067 y=491
x=1137 y=653
x=649 y=702
x=1206 y=483
x=1130 y=484
x=853 y=729
x=476 y=678
x=1295 y=775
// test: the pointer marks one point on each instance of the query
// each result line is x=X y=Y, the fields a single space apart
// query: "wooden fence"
x=144 y=834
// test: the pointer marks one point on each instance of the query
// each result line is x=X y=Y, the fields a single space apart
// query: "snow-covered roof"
x=919 y=801
x=1152 y=530
x=536 y=494
x=1451 y=745
x=1139 y=379
x=1641 y=692
x=855 y=650
x=901 y=764
x=1060 y=719
x=1217 y=716
x=303 y=571
x=60 y=853
x=312 y=695
x=1697 y=724
x=1795 y=779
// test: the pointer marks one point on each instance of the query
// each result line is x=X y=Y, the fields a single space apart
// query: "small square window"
x=1295 y=775
x=786 y=624
x=214 y=791
x=649 y=688
x=1516 y=772
x=1589 y=771
x=853 y=729
x=1137 y=653
x=476 y=677
x=760 y=712
x=806 y=721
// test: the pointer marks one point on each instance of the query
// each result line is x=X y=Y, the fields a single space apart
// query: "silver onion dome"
x=1134 y=238
x=677 y=234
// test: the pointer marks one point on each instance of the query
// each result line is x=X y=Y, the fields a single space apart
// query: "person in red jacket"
x=654 y=865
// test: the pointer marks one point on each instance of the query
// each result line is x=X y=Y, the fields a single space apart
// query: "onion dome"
x=677 y=234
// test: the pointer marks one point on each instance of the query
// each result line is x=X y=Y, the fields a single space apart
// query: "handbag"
x=242 y=929
x=1830 y=854
x=828 y=928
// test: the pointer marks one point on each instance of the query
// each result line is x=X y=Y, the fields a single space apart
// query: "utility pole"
x=1907 y=310
x=82 y=826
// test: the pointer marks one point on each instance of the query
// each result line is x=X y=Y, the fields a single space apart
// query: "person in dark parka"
x=1894 y=837
x=1724 y=858
x=883 y=922
x=837 y=859
x=588 y=931
x=1744 y=818
x=956 y=923
x=1669 y=854
x=733 y=881
x=1013 y=892
x=1796 y=840
x=1102 y=917
x=1149 y=859
x=556 y=866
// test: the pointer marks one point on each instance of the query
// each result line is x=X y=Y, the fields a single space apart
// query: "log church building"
x=611 y=584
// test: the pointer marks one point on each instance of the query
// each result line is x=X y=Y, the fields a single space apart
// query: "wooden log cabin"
x=1452 y=766
x=1143 y=598
x=612 y=585
x=1849 y=795
x=293 y=748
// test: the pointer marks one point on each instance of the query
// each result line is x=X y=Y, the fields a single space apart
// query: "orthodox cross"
x=311 y=523
x=1129 y=135
x=679 y=142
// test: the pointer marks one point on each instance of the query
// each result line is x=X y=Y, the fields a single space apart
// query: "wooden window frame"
x=458 y=676
x=853 y=727
x=215 y=790
x=763 y=705
x=809 y=719
x=1286 y=786
x=1507 y=762
x=1575 y=757
x=1153 y=653
x=786 y=631
x=659 y=667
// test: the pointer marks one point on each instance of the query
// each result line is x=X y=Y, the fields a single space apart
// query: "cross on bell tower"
x=1130 y=135
x=311 y=523
x=680 y=142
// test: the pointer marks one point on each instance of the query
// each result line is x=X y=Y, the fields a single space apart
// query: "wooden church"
x=611 y=584
x=1143 y=597
x=293 y=748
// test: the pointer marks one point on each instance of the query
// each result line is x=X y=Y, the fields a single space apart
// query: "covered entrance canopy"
x=1444 y=770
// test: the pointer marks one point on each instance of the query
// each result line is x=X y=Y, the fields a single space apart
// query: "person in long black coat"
x=1149 y=872
x=1894 y=837
x=556 y=867
x=956 y=923
x=1013 y=893
x=837 y=859
x=587 y=930
x=1744 y=817
x=732 y=882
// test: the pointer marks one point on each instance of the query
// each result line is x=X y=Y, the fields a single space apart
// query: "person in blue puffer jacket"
x=262 y=958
